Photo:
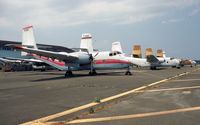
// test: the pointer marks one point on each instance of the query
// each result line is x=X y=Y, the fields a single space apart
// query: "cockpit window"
x=119 y=53
x=114 y=53
x=80 y=50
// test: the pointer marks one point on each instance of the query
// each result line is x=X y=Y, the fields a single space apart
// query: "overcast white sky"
x=171 y=25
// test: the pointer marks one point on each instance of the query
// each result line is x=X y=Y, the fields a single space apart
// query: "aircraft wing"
x=2 y=60
x=54 y=55
x=152 y=59
x=21 y=59
x=62 y=68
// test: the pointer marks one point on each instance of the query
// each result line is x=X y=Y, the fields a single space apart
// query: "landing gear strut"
x=128 y=72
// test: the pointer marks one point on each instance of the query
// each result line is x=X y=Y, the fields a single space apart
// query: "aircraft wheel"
x=92 y=73
x=128 y=73
x=68 y=74
x=153 y=68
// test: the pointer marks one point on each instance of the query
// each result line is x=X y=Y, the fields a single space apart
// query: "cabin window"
x=110 y=54
x=115 y=53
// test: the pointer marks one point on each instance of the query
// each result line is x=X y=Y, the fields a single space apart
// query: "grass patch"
x=97 y=99
x=91 y=85
x=91 y=110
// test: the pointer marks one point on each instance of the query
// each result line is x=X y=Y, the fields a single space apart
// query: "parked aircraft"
x=189 y=62
x=151 y=61
x=83 y=58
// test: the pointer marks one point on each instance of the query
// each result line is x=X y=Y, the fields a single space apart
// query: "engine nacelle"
x=161 y=60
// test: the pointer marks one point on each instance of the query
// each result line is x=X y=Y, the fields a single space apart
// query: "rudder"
x=28 y=39
x=86 y=42
x=148 y=52
x=116 y=47
x=159 y=53
x=137 y=53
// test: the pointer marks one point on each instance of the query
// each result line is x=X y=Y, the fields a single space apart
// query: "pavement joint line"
x=50 y=117
x=89 y=120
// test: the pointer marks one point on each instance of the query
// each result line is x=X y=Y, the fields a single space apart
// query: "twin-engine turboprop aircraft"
x=83 y=58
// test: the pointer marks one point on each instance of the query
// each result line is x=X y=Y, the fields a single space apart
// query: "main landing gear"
x=153 y=67
x=128 y=72
x=68 y=74
x=92 y=72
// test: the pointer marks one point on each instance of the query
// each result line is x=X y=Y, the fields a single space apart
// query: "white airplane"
x=83 y=58
x=193 y=63
x=151 y=61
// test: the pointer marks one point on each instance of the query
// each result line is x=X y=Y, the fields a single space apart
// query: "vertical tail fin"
x=28 y=39
x=86 y=42
x=148 y=52
x=164 y=54
x=137 y=53
x=159 y=53
x=116 y=46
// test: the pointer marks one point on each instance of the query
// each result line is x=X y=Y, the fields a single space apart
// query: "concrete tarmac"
x=26 y=96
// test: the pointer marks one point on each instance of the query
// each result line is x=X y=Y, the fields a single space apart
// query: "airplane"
x=193 y=63
x=150 y=60
x=83 y=58
x=189 y=62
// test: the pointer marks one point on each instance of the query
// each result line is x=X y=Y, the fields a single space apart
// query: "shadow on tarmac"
x=80 y=75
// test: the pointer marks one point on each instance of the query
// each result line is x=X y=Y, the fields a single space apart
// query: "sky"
x=171 y=25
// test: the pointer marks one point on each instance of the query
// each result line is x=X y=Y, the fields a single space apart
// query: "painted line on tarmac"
x=171 y=89
x=132 y=116
x=47 y=118
x=186 y=80
x=50 y=117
